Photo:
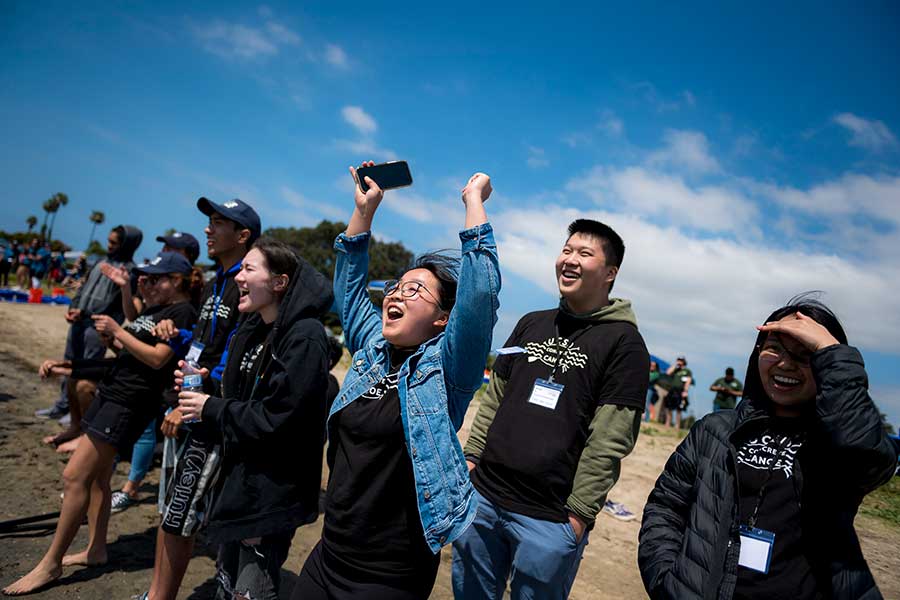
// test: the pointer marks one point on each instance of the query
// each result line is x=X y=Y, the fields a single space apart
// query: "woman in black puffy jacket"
x=759 y=502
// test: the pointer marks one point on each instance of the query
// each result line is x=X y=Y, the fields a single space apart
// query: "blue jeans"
x=540 y=558
x=142 y=454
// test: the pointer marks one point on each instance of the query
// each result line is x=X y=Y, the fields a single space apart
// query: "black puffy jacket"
x=689 y=542
x=272 y=438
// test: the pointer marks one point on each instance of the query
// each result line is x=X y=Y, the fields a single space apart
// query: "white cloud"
x=877 y=196
x=650 y=194
x=610 y=124
x=651 y=95
x=335 y=56
x=412 y=206
x=576 y=139
x=366 y=149
x=686 y=149
x=706 y=295
x=236 y=41
x=537 y=158
x=356 y=116
x=867 y=134
x=309 y=207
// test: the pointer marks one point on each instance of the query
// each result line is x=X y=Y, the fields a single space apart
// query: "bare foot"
x=50 y=440
x=69 y=446
x=39 y=577
x=85 y=558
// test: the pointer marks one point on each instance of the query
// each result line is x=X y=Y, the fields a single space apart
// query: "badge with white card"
x=510 y=350
x=545 y=393
x=195 y=351
x=756 y=548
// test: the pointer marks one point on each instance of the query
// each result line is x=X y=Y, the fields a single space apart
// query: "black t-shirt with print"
x=131 y=380
x=532 y=451
x=766 y=459
x=372 y=524
x=220 y=298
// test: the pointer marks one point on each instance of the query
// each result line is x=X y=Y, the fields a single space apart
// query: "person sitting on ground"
x=398 y=488
x=97 y=296
x=759 y=502
x=269 y=418
x=127 y=399
x=727 y=389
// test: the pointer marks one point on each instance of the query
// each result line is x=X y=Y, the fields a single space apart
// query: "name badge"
x=756 y=548
x=195 y=351
x=510 y=350
x=545 y=393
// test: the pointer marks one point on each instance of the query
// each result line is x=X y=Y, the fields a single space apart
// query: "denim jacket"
x=436 y=383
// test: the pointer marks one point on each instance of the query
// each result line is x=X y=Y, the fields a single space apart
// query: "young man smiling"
x=233 y=227
x=563 y=408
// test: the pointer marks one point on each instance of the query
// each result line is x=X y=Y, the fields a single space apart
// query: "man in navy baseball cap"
x=234 y=210
x=181 y=242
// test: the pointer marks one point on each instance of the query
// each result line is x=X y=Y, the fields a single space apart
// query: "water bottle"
x=193 y=381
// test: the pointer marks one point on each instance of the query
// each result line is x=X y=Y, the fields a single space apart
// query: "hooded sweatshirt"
x=544 y=458
x=99 y=295
x=271 y=417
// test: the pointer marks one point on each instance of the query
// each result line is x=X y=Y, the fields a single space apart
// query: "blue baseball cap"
x=166 y=262
x=234 y=210
x=183 y=241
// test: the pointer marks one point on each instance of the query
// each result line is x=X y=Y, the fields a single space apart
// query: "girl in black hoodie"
x=758 y=502
x=271 y=419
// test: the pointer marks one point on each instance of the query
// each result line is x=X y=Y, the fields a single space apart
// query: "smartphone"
x=389 y=175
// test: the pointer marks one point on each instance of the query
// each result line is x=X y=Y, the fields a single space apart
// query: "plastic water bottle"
x=193 y=381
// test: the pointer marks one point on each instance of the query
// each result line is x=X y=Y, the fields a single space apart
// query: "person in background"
x=759 y=502
x=652 y=395
x=269 y=418
x=127 y=399
x=727 y=389
x=398 y=490
x=183 y=243
x=563 y=408
x=677 y=399
x=7 y=252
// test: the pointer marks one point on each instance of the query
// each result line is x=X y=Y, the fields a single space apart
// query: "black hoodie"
x=272 y=432
x=99 y=295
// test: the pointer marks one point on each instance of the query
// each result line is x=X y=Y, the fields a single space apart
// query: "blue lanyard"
x=219 y=293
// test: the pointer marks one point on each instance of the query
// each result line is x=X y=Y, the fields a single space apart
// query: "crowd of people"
x=235 y=375
x=27 y=265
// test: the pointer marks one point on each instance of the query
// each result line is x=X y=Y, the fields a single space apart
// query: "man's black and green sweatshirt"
x=544 y=462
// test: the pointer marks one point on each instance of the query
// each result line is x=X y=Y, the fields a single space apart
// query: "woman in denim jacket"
x=398 y=487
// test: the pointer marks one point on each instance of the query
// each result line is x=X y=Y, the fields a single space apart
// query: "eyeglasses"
x=775 y=352
x=154 y=279
x=408 y=289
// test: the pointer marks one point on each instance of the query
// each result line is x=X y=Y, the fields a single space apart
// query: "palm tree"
x=97 y=218
x=49 y=206
x=61 y=200
x=31 y=222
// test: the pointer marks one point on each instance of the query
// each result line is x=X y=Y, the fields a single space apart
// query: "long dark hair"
x=806 y=303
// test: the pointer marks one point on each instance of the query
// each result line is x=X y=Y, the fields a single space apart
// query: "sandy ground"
x=31 y=474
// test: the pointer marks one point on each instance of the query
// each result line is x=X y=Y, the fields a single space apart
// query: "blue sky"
x=744 y=155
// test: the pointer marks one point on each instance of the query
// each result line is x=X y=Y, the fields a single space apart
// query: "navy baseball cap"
x=183 y=241
x=234 y=210
x=166 y=262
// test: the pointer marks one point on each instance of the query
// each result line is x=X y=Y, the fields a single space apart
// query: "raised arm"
x=359 y=318
x=121 y=277
x=467 y=339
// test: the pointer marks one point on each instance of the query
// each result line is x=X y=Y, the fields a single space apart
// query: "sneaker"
x=143 y=596
x=66 y=420
x=49 y=413
x=121 y=501
x=618 y=511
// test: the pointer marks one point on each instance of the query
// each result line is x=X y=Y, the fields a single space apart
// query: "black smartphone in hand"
x=388 y=176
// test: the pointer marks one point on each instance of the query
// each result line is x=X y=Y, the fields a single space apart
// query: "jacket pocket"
x=426 y=394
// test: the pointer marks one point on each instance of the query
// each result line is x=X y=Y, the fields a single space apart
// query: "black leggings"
x=319 y=580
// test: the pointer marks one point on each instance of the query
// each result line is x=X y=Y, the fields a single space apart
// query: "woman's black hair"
x=806 y=303
x=445 y=268
x=280 y=258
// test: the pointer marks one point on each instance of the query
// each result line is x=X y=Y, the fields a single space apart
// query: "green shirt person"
x=728 y=389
